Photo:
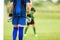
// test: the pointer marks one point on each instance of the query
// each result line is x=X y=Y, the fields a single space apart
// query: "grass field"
x=47 y=22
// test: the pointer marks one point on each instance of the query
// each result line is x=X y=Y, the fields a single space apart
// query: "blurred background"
x=47 y=21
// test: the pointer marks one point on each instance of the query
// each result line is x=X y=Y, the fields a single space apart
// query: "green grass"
x=47 y=23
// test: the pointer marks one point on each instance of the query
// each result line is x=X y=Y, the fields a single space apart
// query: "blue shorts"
x=18 y=20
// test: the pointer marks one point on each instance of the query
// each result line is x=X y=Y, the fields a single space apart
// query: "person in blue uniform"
x=17 y=11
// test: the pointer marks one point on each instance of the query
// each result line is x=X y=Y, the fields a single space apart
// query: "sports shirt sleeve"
x=33 y=9
x=27 y=1
x=11 y=0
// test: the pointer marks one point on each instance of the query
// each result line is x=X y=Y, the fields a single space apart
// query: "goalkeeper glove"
x=28 y=19
x=10 y=18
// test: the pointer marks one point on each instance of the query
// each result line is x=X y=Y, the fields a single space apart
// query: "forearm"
x=10 y=8
x=28 y=7
x=10 y=12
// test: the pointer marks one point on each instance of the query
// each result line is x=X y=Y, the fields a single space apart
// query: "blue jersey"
x=19 y=7
x=19 y=12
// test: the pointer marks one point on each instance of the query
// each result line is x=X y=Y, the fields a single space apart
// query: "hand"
x=29 y=19
x=10 y=17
